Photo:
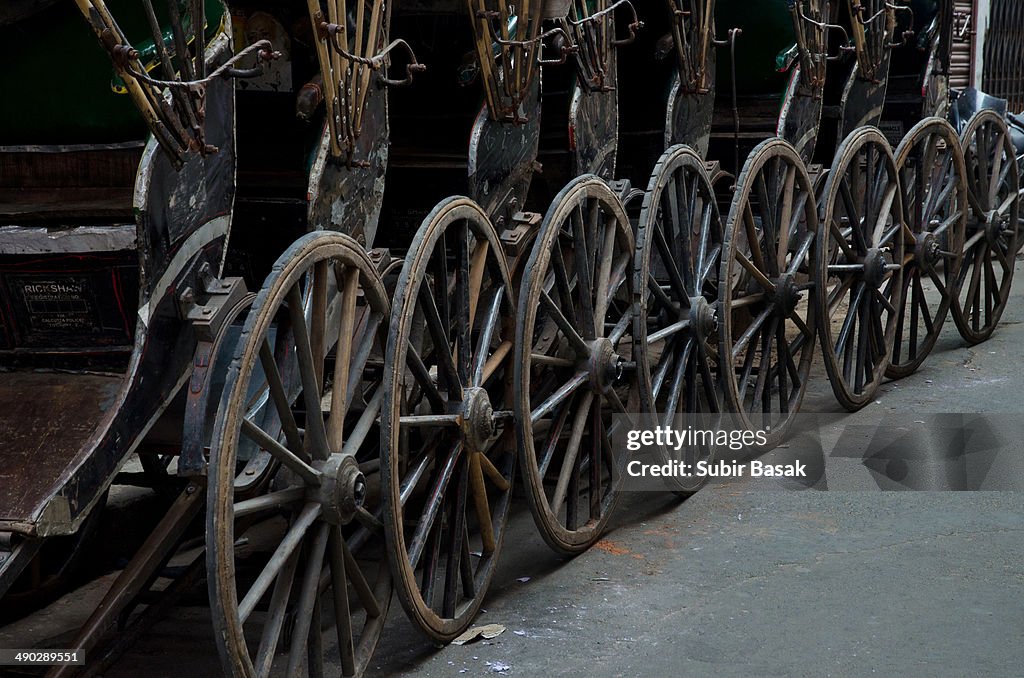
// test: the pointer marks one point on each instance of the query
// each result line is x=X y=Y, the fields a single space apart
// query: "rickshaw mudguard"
x=182 y=220
x=348 y=197
x=690 y=114
x=501 y=158
x=800 y=117
x=594 y=126
x=863 y=100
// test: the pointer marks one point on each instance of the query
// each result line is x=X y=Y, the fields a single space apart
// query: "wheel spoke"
x=558 y=396
x=483 y=508
x=433 y=506
x=857 y=296
x=786 y=218
x=576 y=342
x=442 y=346
x=668 y=331
x=280 y=398
x=316 y=434
x=281 y=555
x=281 y=453
x=422 y=376
x=343 y=354
x=491 y=320
x=584 y=277
x=561 y=275
x=753 y=239
x=307 y=598
x=465 y=304
x=274 y=622
x=668 y=260
x=755 y=272
x=571 y=452
x=603 y=285
x=273 y=501
x=342 y=608
x=751 y=330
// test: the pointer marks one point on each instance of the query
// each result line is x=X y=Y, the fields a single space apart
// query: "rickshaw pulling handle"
x=859 y=11
x=847 y=44
x=562 y=42
x=124 y=55
x=377 y=62
x=633 y=27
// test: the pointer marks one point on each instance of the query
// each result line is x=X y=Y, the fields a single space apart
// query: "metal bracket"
x=622 y=188
x=204 y=308
x=222 y=301
x=515 y=237
x=380 y=257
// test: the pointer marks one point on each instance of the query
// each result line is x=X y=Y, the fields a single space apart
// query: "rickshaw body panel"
x=690 y=115
x=349 y=199
x=86 y=419
x=501 y=157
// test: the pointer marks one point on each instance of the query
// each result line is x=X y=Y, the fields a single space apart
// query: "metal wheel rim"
x=980 y=250
x=222 y=511
x=570 y=539
x=929 y=245
x=863 y=249
x=736 y=268
x=679 y=177
x=457 y=612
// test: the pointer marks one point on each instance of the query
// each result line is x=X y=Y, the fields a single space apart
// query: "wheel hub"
x=787 y=295
x=703 y=317
x=993 y=223
x=927 y=252
x=342 y=490
x=605 y=365
x=874 y=268
x=477 y=418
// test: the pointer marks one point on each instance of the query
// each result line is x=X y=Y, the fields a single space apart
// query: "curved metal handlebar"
x=124 y=55
x=847 y=45
x=538 y=39
x=634 y=26
x=377 y=61
x=888 y=7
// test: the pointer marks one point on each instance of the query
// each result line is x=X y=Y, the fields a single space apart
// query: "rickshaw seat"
x=47 y=420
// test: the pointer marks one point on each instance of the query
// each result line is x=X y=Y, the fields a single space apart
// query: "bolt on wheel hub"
x=604 y=364
x=994 y=224
x=343 y=489
x=787 y=295
x=703 y=317
x=875 y=268
x=477 y=418
x=927 y=251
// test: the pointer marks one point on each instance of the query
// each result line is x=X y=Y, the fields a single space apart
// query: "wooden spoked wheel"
x=300 y=566
x=991 y=240
x=860 y=266
x=448 y=454
x=767 y=326
x=934 y=189
x=678 y=258
x=574 y=364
